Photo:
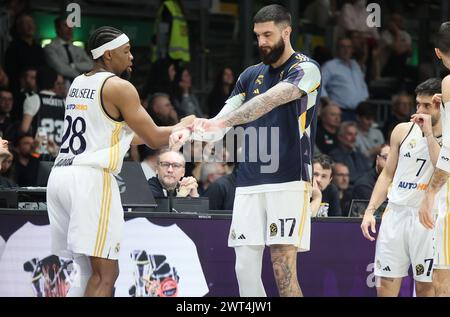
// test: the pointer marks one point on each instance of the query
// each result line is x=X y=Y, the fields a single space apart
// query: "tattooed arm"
x=258 y=106
x=425 y=212
x=437 y=181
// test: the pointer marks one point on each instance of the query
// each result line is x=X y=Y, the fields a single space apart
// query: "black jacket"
x=157 y=188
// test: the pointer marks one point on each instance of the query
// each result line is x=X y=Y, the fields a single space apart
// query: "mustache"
x=270 y=55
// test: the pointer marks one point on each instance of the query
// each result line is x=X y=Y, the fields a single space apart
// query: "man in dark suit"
x=169 y=180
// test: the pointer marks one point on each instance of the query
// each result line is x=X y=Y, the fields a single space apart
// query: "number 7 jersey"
x=414 y=170
x=91 y=137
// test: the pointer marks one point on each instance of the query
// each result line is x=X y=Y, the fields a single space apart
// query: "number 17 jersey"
x=414 y=170
x=91 y=137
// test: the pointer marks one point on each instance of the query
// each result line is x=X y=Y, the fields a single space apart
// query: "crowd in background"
x=351 y=144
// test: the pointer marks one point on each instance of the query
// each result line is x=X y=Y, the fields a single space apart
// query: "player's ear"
x=287 y=31
x=107 y=55
x=438 y=53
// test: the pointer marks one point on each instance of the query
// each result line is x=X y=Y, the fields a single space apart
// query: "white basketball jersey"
x=414 y=170
x=91 y=137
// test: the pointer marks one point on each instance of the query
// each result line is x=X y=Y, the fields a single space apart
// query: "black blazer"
x=157 y=188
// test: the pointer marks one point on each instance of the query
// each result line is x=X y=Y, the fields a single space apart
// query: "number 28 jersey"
x=91 y=137
x=414 y=170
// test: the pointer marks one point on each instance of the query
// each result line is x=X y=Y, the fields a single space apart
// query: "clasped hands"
x=190 y=126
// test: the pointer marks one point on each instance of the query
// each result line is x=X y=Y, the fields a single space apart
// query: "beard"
x=125 y=75
x=274 y=53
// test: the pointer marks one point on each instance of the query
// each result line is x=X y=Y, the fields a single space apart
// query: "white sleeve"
x=231 y=104
x=31 y=105
x=311 y=81
x=443 y=162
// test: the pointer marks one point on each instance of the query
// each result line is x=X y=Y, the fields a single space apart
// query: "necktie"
x=66 y=46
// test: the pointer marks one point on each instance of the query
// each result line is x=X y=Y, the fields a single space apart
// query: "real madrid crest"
x=419 y=269
x=273 y=229
x=412 y=144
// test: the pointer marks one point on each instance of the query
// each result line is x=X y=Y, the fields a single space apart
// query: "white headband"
x=118 y=41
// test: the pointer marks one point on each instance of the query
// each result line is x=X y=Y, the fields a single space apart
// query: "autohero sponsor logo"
x=408 y=185
x=76 y=107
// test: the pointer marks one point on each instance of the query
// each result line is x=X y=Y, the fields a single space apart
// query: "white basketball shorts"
x=277 y=217
x=85 y=212
x=402 y=241
x=442 y=230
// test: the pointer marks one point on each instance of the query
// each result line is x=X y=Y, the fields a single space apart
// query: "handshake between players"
x=207 y=130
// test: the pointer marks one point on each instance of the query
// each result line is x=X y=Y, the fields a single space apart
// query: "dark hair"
x=342 y=38
x=102 y=35
x=177 y=93
x=218 y=83
x=324 y=160
x=152 y=98
x=443 y=38
x=59 y=20
x=366 y=110
x=22 y=135
x=24 y=71
x=5 y=90
x=45 y=78
x=429 y=87
x=275 y=13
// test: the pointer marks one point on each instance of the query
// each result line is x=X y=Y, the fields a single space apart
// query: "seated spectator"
x=45 y=110
x=343 y=81
x=369 y=139
x=149 y=158
x=221 y=91
x=28 y=87
x=364 y=185
x=209 y=173
x=347 y=153
x=221 y=192
x=327 y=128
x=186 y=103
x=24 y=52
x=6 y=106
x=6 y=171
x=341 y=178
x=161 y=110
x=402 y=107
x=169 y=180
x=322 y=169
x=64 y=57
x=26 y=165
x=4 y=151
